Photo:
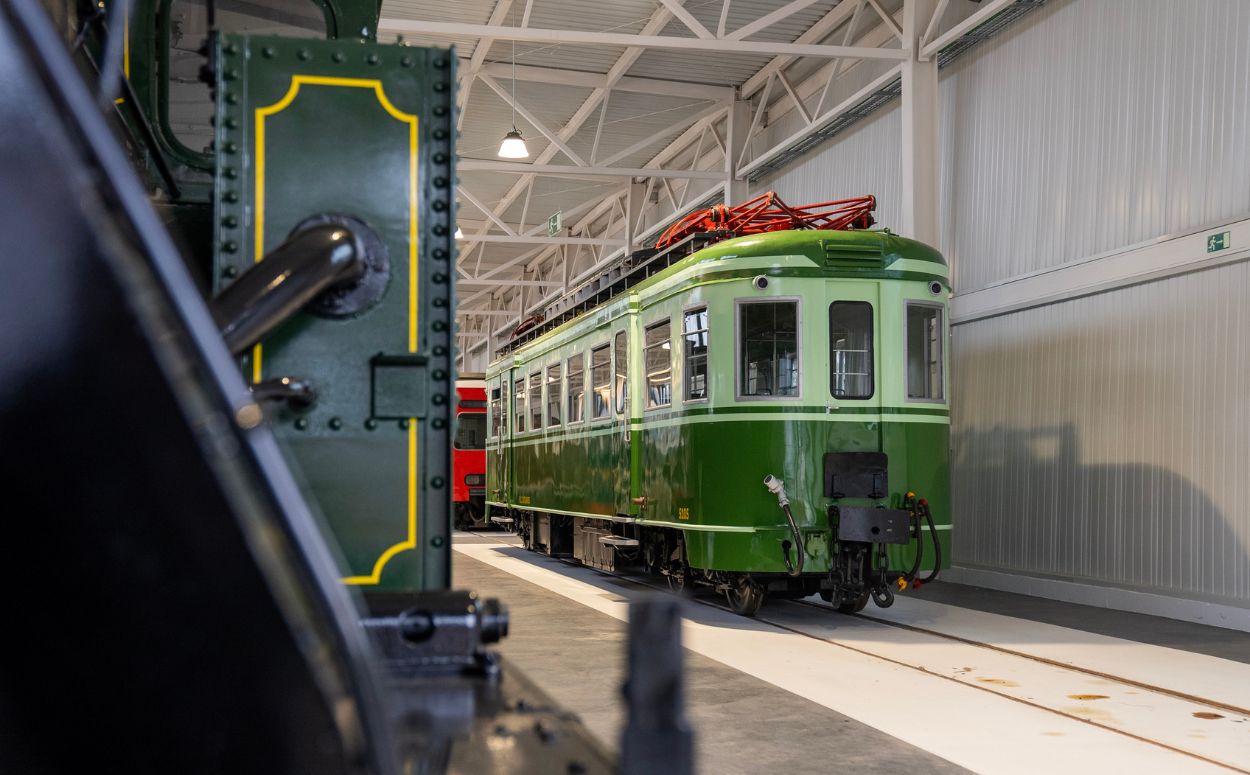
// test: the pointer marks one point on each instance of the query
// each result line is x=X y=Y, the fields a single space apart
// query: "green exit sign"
x=553 y=224
x=1217 y=242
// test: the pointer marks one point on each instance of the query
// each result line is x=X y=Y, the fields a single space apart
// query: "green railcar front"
x=641 y=431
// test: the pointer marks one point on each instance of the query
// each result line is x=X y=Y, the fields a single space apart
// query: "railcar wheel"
x=745 y=597
x=854 y=606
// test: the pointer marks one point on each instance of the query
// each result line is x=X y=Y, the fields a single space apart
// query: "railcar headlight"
x=935 y=288
x=760 y=282
x=474 y=480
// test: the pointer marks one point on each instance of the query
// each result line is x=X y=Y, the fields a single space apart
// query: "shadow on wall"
x=1024 y=501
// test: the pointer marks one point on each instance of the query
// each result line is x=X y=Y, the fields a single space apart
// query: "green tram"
x=767 y=415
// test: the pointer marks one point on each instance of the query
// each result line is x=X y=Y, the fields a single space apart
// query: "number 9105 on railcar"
x=767 y=416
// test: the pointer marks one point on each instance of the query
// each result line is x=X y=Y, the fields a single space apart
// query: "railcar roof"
x=856 y=253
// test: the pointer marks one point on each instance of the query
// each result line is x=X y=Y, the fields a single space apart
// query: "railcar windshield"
x=850 y=349
x=470 y=430
x=768 y=349
x=924 y=353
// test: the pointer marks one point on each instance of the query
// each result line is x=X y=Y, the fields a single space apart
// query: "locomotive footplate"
x=873 y=525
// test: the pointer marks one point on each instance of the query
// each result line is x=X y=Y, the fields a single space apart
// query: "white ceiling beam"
x=820 y=122
x=532 y=119
x=768 y=20
x=957 y=32
x=583 y=38
x=646 y=142
x=818 y=31
x=561 y=77
x=887 y=18
x=488 y=165
x=485 y=210
x=659 y=18
x=685 y=18
x=798 y=103
x=505 y=284
x=525 y=239
x=469 y=75
x=724 y=16
x=933 y=23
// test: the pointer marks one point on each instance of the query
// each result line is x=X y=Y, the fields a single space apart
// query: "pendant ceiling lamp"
x=513 y=145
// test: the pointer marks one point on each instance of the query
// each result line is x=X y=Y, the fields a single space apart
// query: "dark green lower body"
x=705 y=480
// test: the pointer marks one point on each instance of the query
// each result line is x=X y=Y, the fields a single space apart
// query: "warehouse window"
x=768 y=349
x=850 y=349
x=553 y=395
x=518 y=412
x=536 y=401
x=659 y=361
x=495 y=419
x=601 y=380
x=622 y=372
x=694 y=334
x=575 y=411
x=924 y=352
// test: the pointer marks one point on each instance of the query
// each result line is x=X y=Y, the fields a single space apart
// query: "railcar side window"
x=576 y=408
x=850 y=349
x=768 y=349
x=496 y=421
x=553 y=395
x=694 y=334
x=924 y=352
x=518 y=395
x=536 y=400
x=659 y=361
x=601 y=380
x=622 y=372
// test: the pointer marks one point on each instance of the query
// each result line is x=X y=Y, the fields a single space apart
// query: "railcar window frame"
x=739 y=305
x=908 y=305
x=575 y=404
x=620 y=371
x=535 y=384
x=596 y=386
x=519 y=411
x=496 y=423
x=871 y=374
x=687 y=357
x=663 y=345
x=554 y=388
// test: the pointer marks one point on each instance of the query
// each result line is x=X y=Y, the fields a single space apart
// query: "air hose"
x=778 y=488
x=937 y=546
x=915 y=517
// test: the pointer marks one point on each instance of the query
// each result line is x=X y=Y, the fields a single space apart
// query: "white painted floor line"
x=981 y=730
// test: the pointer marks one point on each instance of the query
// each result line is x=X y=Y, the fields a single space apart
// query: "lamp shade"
x=513 y=146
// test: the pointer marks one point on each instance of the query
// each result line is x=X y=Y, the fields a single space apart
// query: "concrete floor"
x=743 y=724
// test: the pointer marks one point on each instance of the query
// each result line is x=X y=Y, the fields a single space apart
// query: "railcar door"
x=621 y=411
x=497 y=478
x=854 y=326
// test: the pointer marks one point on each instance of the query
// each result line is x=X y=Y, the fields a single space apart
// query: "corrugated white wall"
x=1103 y=439
x=1107 y=438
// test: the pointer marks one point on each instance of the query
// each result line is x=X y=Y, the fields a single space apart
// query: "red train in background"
x=468 y=456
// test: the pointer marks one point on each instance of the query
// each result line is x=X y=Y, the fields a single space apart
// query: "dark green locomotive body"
x=642 y=430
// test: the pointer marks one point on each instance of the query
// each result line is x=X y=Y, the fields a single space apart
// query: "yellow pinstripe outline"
x=411 y=120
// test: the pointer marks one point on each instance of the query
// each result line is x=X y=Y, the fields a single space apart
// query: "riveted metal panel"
x=307 y=127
